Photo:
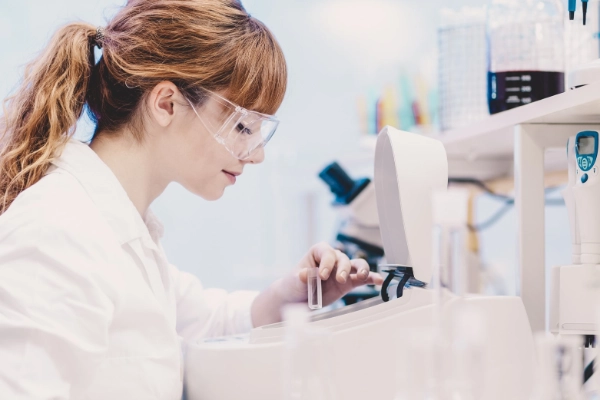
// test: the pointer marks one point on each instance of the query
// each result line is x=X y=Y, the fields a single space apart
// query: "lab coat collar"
x=155 y=227
x=107 y=193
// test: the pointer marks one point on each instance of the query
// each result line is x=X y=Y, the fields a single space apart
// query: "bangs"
x=259 y=78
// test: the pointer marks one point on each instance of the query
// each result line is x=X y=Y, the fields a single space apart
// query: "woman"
x=89 y=306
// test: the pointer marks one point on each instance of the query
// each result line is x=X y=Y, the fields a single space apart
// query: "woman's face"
x=199 y=162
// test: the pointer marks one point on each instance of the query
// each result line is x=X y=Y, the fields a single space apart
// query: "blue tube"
x=584 y=4
x=572 y=8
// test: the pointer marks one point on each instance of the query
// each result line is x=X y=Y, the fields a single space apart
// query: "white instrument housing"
x=368 y=337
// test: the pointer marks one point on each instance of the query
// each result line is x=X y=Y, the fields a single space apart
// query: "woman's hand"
x=338 y=273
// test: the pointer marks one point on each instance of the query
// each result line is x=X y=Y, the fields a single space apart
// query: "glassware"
x=462 y=68
x=526 y=52
x=315 y=294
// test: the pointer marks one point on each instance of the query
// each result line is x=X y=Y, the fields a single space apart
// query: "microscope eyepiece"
x=341 y=184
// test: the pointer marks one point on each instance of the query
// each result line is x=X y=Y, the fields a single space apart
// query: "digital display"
x=586 y=145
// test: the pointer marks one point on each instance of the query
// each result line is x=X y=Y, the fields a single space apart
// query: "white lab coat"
x=90 y=308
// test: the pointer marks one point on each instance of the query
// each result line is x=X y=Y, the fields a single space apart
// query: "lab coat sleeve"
x=53 y=318
x=203 y=313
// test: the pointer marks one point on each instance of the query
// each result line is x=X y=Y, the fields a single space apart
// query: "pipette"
x=572 y=9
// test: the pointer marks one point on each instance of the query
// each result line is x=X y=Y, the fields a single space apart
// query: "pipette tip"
x=571 y=15
x=584 y=7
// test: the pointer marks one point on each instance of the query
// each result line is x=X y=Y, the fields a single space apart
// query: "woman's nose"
x=257 y=156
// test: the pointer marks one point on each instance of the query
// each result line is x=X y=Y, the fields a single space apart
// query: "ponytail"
x=41 y=116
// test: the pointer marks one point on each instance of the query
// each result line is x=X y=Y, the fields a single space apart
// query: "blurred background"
x=350 y=63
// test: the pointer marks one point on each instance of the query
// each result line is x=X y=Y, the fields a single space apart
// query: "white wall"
x=336 y=49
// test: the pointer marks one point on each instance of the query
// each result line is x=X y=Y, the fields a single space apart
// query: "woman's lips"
x=230 y=176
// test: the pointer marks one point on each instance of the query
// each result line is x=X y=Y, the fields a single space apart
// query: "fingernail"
x=364 y=274
x=324 y=273
x=344 y=276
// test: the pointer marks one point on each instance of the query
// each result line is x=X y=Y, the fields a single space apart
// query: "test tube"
x=315 y=300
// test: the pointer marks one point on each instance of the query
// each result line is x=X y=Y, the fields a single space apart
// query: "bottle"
x=525 y=52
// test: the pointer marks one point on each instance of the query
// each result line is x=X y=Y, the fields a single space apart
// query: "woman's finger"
x=344 y=267
x=361 y=267
x=373 y=279
x=325 y=257
x=303 y=275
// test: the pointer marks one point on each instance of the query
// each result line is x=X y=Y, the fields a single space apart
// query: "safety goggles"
x=241 y=131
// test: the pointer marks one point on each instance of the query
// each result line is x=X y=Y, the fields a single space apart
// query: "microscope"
x=358 y=235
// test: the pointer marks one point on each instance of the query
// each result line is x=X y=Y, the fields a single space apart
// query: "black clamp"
x=404 y=274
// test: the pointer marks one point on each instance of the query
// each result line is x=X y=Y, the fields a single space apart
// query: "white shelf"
x=493 y=138
x=523 y=142
x=485 y=150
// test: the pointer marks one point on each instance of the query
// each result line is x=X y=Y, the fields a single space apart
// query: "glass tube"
x=315 y=295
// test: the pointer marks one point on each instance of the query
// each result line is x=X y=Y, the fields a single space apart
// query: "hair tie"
x=99 y=38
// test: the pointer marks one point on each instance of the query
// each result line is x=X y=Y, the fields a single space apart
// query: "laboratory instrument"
x=573 y=8
x=315 y=295
x=374 y=332
x=358 y=235
x=574 y=288
x=526 y=52
x=586 y=153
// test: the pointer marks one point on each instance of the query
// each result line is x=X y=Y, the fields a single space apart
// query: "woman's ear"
x=161 y=102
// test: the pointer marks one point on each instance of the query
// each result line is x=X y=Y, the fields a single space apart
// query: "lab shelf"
x=517 y=141
x=492 y=139
x=525 y=142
